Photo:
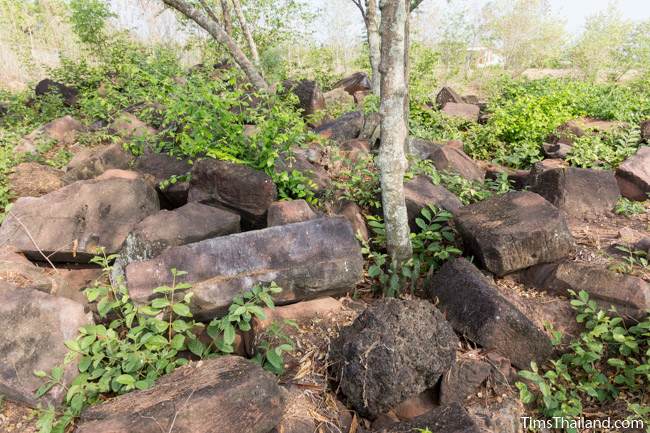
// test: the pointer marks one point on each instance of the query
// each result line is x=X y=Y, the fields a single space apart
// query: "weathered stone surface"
x=301 y=160
x=352 y=212
x=36 y=326
x=450 y=158
x=357 y=82
x=163 y=167
x=514 y=231
x=498 y=415
x=299 y=413
x=371 y=129
x=63 y=131
x=90 y=163
x=420 y=148
x=70 y=223
x=629 y=294
x=447 y=94
x=310 y=259
x=127 y=125
x=67 y=93
x=246 y=191
x=338 y=97
x=346 y=127
x=556 y=150
x=287 y=212
x=190 y=223
x=580 y=192
x=31 y=179
x=518 y=178
x=416 y=406
x=463 y=379
x=309 y=95
x=394 y=350
x=444 y=419
x=355 y=150
x=227 y=394
x=476 y=309
x=645 y=130
x=575 y=128
x=464 y=111
x=633 y=175
x=27 y=275
x=420 y=192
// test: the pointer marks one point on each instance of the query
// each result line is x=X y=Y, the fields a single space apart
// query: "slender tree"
x=371 y=17
x=227 y=21
x=392 y=162
x=247 y=31
x=216 y=29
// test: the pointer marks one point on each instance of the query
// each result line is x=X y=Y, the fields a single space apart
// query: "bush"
x=608 y=361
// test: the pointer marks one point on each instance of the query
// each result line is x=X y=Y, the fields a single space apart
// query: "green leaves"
x=605 y=362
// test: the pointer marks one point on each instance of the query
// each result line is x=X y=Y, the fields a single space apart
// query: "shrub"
x=608 y=361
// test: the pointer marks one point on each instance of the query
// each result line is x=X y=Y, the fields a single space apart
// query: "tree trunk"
x=374 y=44
x=247 y=31
x=219 y=34
x=392 y=157
x=227 y=21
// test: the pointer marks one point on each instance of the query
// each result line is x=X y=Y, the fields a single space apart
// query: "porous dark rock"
x=477 y=310
x=633 y=175
x=513 y=231
x=576 y=128
x=394 y=350
x=67 y=93
x=37 y=325
x=556 y=150
x=629 y=294
x=353 y=213
x=452 y=418
x=30 y=179
x=450 y=158
x=346 y=127
x=310 y=259
x=579 y=192
x=469 y=112
x=420 y=192
x=92 y=162
x=290 y=211
x=227 y=394
x=463 y=379
x=233 y=186
x=645 y=130
x=71 y=223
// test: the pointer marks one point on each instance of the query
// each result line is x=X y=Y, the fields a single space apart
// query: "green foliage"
x=628 y=207
x=604 y=150
x=134 y=345
x=88 y=20
x=608 y=361
x=433 y=243
x=632 y=261
x=466 y=190
x=359 y=182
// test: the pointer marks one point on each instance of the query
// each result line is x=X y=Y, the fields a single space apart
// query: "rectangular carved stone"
x=310 y=259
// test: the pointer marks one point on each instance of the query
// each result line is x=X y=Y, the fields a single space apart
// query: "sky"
x=340 y=18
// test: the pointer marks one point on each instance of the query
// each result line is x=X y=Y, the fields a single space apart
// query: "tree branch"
x=358 y=4
x=247 y=31
x=415 y=4
x=227 y=21
x=219 y=34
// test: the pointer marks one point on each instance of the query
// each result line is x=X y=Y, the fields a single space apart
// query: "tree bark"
x=227 y=21
x=247 y=31
x=219 y=34
x=374 y=44
x=393 y=109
